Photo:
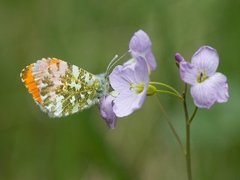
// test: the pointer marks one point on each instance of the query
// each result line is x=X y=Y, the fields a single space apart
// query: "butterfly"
x=61 y=89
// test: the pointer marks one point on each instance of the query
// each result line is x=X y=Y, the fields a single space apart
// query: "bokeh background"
x=88 y=33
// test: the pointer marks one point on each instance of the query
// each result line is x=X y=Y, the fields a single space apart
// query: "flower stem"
x=188 y=135
x=188 y=151
x=193 y=115
x=169 y=92
x=171 y=125
x=167 y=86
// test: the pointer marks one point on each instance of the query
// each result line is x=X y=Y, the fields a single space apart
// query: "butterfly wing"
x=61 y=89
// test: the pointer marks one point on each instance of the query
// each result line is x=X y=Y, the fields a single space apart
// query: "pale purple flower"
x=130 y=81
x=106 y=111
x=141 y=47
x=207 y=85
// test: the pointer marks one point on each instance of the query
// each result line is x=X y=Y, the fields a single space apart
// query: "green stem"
x=169 y=92
x=188 y=135
x=188 y=151
x=171 y=125
x=193 y=115
x=167 y=86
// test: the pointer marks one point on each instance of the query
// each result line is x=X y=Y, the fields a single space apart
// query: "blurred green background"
x=88 y=33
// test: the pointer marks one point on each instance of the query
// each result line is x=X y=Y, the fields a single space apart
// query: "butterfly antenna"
x=113 y=62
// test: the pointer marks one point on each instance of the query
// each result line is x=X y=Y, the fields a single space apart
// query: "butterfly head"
x=103 y=85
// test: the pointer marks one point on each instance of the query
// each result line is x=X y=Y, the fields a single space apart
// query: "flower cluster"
x=130 y=85
x=129 y=81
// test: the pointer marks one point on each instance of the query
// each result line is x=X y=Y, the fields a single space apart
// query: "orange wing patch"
x=54 y=61
x=30 y=83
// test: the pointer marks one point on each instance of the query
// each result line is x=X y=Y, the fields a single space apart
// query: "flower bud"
x=178 y=58
x=151 y=90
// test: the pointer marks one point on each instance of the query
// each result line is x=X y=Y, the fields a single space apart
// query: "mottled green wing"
x=64 y=89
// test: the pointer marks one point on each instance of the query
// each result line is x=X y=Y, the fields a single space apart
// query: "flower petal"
x=140 y=42
x=141 y=72
x=106 y=111
x=117 y=82
x=213 y=89
x=127 y=103
x=203 y=95
x=150 y=59
x=188 y=72
x=129 y=62
x=140 y=46
x=221 y=87
x=206 y=60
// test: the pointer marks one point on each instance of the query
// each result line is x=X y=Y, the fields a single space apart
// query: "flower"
x=140 y=46
x=106 y=111
x=207 y=85
x=130 y=81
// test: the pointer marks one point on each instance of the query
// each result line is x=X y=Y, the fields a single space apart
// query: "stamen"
x=201 y=77
x=137 y=88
